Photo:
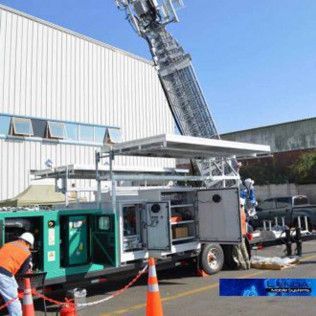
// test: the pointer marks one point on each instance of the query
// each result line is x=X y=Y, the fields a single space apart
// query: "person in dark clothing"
x=15 y=260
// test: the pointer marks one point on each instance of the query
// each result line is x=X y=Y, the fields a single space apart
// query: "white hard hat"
x=249 y=182
x=28 y=237
x=242 y=201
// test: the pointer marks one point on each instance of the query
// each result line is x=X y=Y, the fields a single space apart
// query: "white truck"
x=171 y=222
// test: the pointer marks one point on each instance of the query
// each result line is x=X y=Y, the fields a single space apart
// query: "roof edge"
x=74 y=33
x=267 y=126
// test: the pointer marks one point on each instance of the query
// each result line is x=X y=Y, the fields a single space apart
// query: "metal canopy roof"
x=74 y=171
x=178 y=146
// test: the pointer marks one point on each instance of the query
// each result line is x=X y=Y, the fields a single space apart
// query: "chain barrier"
x=60 y=303
x=6 y=304
x=118 y=292
x=50 y=300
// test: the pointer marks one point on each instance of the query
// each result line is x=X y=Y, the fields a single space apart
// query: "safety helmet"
x=28 y=237
x=249 y=182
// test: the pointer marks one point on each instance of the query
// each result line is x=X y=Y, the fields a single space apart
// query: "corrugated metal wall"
x=286 y=136
x=49 y=72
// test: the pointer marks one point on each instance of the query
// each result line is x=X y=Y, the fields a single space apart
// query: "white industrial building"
x=60 y=91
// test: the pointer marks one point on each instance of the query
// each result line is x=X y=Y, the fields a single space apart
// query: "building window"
x=72 y=131
x=4 y=124
x=21 y=127
x=39 y=128
x=86 y=133
x=113 y=135
x=52 y=130
x=99 y=134
x=56 y=130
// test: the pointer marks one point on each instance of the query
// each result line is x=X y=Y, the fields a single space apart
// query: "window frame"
x=268 y=200
x=70 y=128
x=298 y=198
x=39 y=129
x=13 y=126
x=82 y=127
x=7 y=124
x=97 y=129
x=289 y=202
x=113 y=135
x=49 y=129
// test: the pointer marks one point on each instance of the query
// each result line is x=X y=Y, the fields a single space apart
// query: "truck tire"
x=212 y=258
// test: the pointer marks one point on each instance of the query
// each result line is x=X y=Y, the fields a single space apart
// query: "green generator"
x=69 y=244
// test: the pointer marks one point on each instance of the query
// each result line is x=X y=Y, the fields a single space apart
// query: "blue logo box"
x=267 y=287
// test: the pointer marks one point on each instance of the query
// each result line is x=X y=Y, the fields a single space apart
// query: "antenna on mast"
x=142 y=13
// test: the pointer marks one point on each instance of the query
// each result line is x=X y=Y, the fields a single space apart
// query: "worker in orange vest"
x=243 y=221
x=15 y=259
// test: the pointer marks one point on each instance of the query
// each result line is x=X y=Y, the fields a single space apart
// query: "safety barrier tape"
x=50 y=300
x=6 y=304
x=139 y=274
x=55 y=302
x=118 y=292
x=34 y=292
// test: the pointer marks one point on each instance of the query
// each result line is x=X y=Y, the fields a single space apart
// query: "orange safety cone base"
x=153 y=306
x=201 y=273
x=68 y=309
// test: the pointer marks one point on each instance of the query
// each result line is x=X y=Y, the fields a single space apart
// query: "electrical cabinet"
x=219 y=215
x=158 y=226
x=178 y=219
x=181 y=212
x=76 y=240
x=209 y=215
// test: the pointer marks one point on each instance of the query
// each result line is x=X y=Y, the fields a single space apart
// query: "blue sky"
x=255 y=59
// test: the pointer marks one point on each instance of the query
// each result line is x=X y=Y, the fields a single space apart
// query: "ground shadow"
x=308 y=262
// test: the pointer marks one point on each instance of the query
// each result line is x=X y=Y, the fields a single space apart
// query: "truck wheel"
x=212 y=258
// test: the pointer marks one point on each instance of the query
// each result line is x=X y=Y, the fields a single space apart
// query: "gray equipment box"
x=219 y=215
x=158 y=226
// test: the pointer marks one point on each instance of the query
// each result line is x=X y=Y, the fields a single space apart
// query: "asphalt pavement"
x=183 y=293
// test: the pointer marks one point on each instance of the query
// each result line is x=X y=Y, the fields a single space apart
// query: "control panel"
x=158 y=226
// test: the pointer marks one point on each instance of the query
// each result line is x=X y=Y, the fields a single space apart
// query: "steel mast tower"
x=186 y=100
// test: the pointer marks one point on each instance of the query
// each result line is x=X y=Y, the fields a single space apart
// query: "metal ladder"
x=179 y=81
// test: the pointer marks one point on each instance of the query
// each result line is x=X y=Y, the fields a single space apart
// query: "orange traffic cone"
x=28 y=307
x=68 y=309
x=201 y=273
x=154 y=307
